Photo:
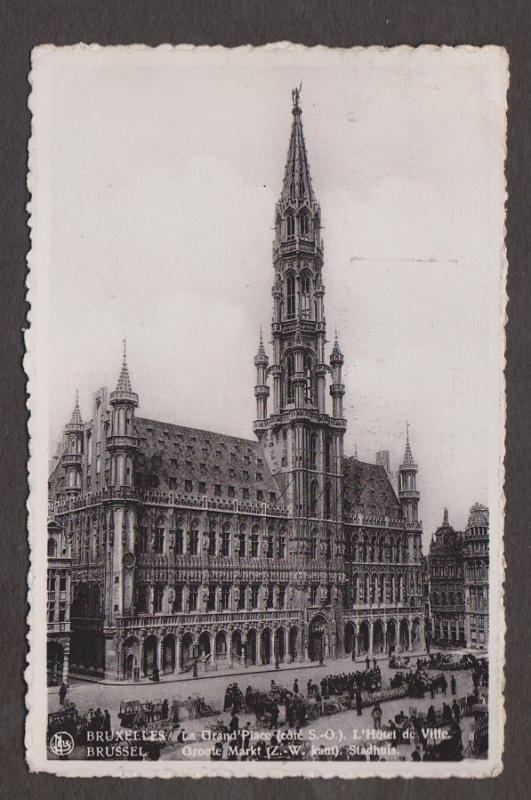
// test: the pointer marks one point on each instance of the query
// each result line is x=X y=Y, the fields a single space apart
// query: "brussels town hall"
x=190 y=550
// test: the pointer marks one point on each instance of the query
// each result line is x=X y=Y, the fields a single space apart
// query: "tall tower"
x=301 y=441
x=72 y=454
x=122 y=445
x=407 y=485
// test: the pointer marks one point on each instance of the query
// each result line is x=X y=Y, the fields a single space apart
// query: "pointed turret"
x=261 y=390
x=407 y=484
x=122 y=442
x=123 y=389
x=446 y=521
x=409 y=461
x=76 y=419
x=73 y=450
x=337 y=388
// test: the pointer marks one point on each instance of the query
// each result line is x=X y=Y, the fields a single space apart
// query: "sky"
x=154 y=179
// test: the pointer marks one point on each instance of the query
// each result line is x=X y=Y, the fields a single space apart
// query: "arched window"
x=290 y=223
x=52 y=548
x=327 y=454
x=243 y=540
x=254 y=541
x=290 y=295
x=313 y=451
x=328 y=500
x=328 y=550
x=290 y=393
x=305 y=284
x=225 y=539
x=304 y=223
x=313 y=498
x=313 y=544
x=308 y=372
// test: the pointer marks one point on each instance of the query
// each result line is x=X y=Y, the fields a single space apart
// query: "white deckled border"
x=284 y=53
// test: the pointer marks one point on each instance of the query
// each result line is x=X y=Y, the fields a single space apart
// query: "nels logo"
x=61 y=744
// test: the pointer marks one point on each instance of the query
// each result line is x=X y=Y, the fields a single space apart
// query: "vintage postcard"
x=265 y=367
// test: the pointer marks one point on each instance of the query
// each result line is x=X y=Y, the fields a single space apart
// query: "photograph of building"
x=193 y=550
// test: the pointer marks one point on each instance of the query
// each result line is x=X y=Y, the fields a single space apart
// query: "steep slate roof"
x=367 y=488
x=174 y=451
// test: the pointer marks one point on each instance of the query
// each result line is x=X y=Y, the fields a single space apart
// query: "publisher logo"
x=61 y=743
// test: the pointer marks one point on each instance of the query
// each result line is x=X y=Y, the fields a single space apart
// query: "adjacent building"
x=476 y=576
x=59 y=588
x=458 y=569
x=447 y=591
x=192 y=549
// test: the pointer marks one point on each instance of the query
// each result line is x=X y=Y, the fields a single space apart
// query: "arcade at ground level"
x=172 y=651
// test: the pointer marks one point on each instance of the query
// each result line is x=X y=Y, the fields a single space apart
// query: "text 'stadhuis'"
x=187 y=546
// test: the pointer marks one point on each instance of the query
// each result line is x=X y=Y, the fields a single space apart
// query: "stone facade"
x=59 y=588
x=447 y=593
x=458 y=566
x=198 y=551
x=476 y=576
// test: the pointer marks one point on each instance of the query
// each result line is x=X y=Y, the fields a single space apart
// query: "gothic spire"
x=76 y=413
x=336 y=356
x=76 y=422
x=261 y=355
x=297 y=183
x=124 y=381
x=409 y=461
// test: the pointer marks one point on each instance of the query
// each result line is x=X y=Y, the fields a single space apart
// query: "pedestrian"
x=234 y=724
x=456 y=711
x=376 y=714
x=431 y=717
x=446 y=714
x=368 y=663
x=453 y=684
x=444 y=685
x=106 y=721
x=275 y=713
x=415 y=755
x=359 y=702
x=164 y=709
x=295 y=686
x=227 y=703
x=62 y=693
x=175 y=711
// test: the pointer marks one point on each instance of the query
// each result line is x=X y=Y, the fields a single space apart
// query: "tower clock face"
x=129 y=560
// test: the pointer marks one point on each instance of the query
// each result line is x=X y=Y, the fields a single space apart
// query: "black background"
x=336 y=23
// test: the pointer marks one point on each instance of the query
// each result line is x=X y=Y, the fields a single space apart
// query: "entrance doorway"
x=316 y=639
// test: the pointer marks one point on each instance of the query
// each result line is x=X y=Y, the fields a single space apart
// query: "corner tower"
x=122 y=447
x=302 y=442
x=73 y=451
